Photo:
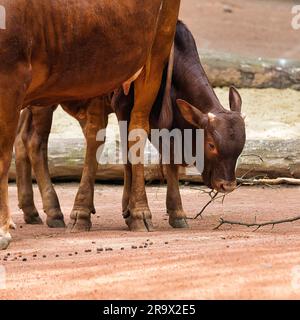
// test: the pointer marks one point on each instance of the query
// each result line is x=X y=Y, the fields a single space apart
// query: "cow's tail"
x=166 y=115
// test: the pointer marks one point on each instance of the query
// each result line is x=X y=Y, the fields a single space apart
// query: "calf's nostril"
x=227 y=187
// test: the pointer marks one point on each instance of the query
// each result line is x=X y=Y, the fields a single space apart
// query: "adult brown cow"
x=224 y=131
x=56 y=50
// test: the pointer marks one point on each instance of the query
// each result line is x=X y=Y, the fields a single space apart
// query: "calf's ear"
x=235 y=100
x=192 y=114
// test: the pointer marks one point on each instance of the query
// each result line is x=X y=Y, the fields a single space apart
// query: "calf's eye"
x=211 y=146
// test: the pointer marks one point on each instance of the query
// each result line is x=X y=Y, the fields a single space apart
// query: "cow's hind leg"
x=96 y=119
x=177 y=217
x=37 y=148
x=23 y=170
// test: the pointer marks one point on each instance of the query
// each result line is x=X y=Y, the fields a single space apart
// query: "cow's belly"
x=88 y=48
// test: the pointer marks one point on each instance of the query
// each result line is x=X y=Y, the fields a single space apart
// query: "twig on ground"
x=255 y=224
x=270 y=182
x=213 y=197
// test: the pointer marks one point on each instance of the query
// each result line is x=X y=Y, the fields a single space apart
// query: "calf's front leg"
x=177 y=216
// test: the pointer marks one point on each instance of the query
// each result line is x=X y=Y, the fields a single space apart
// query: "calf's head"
x=224 y=140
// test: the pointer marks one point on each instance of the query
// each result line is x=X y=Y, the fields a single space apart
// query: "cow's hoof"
x=80 y=221
x=79 y=225
x=55 y=222
x=139 y=225
x=33 y=219
x=178 y=223
x=5 y=240
x=140 y=221
x=55 y=218
x=12 y=225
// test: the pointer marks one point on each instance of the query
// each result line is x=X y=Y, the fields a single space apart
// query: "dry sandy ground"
x=259 y=28
x=175 y=264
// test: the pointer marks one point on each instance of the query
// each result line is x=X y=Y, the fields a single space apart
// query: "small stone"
x=227 y=9
x=133 y=247
x=24 y=259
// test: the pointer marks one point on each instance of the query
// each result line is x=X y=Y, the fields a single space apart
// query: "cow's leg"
x=96 y=119
x=37 y=148
x=146 y=88
x=12 y=92
x=138 y=216
x=177 y=217
x=23 y=170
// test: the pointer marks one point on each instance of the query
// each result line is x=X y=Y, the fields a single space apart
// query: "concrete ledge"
x=281 y=158
x=273 y=132
x=226 y=69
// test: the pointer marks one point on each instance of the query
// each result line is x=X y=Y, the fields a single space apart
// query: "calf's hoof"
x=178 y=223
x=80 y=221
x=33 y=219
x=5 y=239
x=31 y=216
x=139 y=220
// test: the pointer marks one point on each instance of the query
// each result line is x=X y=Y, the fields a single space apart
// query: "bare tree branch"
x=213 y=197
x=255 y=224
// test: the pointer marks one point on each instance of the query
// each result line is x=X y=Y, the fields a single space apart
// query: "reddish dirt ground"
x=198 y=263
x=233 y=262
